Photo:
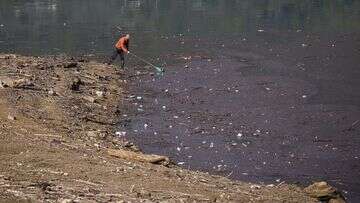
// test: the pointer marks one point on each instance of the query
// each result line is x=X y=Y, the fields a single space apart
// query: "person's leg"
x=113 y=56
x=122 y=59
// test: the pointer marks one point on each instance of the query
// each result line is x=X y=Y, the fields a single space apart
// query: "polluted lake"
x=265 y=92
x=248 y=117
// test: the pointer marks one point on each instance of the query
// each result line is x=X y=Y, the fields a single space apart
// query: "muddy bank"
x=57 y=125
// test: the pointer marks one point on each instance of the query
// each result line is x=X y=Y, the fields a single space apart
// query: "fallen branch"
x=133 y=156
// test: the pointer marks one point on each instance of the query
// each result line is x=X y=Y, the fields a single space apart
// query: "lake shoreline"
x=57 y=119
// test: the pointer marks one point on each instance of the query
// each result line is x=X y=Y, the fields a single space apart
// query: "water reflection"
x=88 y=26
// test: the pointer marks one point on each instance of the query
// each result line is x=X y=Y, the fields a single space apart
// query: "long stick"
x=145 y=61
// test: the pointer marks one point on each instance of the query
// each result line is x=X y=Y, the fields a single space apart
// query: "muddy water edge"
x=255 y=109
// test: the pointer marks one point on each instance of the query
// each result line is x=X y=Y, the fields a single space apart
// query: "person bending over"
x=121 y=47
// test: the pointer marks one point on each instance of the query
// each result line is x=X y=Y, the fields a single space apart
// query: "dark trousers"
x=115 y=54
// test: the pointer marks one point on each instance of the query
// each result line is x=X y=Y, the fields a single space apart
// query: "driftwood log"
x=133 y=156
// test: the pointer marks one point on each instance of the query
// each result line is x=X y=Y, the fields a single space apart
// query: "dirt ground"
x=57 y=121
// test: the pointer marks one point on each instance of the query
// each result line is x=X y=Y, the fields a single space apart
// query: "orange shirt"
x=123 y=44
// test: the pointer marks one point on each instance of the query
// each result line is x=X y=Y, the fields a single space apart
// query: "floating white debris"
x=138 y=98
x=178 y=149
x=164 y=107
x=304 y=96
x=176 y=117
x=211 y=145
x=239 y=135
x=145 y=125
x=261 y=30
x=181 y=163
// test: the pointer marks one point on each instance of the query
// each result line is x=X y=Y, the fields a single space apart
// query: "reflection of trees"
x=68 y=24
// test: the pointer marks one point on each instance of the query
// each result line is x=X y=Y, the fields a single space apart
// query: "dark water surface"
x=256 y=90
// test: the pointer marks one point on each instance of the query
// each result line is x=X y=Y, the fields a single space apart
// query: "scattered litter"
x=304 y=45
x=120 y=133
x=239 y=135
x=138 y=98
x=304 y=96
x=181 y=163
x=211 y=145
x=261 y=30
x=145 y=125
x=99 y=93
x=255 y=186
x=11 y=117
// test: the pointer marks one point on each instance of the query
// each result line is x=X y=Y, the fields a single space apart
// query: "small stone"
x=99 y=93
x=70 y=65
x=324 y=192
x=51 y=92
x=89 y=99
x=11 y=117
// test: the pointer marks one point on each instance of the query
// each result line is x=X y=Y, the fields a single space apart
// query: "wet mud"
x=259 y=111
